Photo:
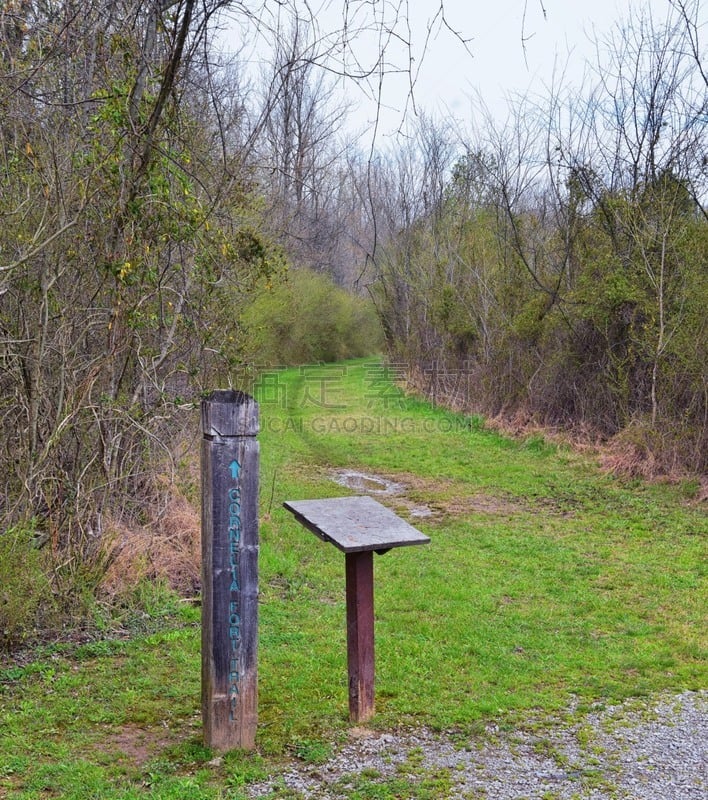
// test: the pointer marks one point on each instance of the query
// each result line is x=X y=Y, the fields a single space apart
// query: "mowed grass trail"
x=545 y=581
x=544 y=578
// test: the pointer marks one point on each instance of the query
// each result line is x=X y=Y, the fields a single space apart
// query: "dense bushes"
x=560 y=271
x=129 y=236
x=306 y=319
x=616 y=345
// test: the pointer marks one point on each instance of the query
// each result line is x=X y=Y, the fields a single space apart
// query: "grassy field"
x=545 y=580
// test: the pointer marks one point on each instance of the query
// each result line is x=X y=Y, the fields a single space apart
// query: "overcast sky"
x=498 y=63
x=495 y=63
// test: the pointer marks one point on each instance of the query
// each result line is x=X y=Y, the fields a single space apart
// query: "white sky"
x=497 y=65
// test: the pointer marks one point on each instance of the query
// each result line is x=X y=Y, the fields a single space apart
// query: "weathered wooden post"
x=359 y=589
x=230 y=461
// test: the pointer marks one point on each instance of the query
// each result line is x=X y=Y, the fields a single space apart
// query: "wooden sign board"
x=355 y=524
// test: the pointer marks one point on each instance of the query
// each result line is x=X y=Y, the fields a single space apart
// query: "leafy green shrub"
x=25 y=592
x=308 y=319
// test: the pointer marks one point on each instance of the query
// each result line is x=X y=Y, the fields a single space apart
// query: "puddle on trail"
x=363 y=482
x=366 y=483
x=455 y=505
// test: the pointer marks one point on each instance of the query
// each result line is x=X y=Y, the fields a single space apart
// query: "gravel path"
x=653 y=750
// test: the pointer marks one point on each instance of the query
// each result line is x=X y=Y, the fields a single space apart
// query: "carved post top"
x=229 y=412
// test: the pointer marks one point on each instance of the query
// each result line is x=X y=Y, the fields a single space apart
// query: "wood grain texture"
x=360 y=634
x=355 y=524
x=230 y=465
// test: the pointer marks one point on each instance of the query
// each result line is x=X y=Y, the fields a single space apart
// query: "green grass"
x=544 y=579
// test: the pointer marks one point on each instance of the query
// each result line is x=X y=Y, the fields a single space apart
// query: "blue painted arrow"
x=235 y=468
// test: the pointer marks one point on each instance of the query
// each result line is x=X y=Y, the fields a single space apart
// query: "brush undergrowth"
x=544 y=580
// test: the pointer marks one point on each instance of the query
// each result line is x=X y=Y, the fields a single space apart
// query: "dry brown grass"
x=167 y=549
x=641 y=451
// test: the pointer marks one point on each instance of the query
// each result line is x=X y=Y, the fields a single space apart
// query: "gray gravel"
x=655 y=749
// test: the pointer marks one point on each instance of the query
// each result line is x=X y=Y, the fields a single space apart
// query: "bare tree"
x=132 y=225
x=300 y=150
x=119 y=230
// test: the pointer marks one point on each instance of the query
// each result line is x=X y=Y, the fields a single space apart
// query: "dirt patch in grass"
x=427 y=498
x=134 y=744
x=367 y=483
x=393 y=488
x=481 y=503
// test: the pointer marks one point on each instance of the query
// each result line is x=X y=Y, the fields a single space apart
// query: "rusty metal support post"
x=360 y=634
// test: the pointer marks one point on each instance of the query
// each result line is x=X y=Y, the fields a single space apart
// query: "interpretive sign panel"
x=355 y=524
x=360 y=527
